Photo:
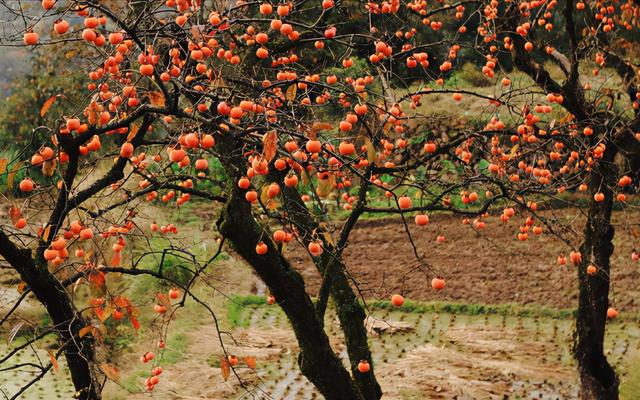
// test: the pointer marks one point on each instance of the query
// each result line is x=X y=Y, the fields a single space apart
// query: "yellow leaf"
x=250 y=361
x=157 y=99
x=269 y=145
x=133 y=131
x=47 y=105
x=325 y=187
x=70 y=54
x=54 y=140
x=4 y=162
x=84 y=331
x=225 y=369
x=371 y=150
x=54 y=362
x=291 y=92
x=514 y=150
x=12 y=175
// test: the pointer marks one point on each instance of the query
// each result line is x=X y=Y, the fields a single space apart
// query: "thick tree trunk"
x=349 y=310
x=68 y=322
x=597 y=377
x=317 y=360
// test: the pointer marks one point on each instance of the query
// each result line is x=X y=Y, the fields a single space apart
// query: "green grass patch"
x=237 y=306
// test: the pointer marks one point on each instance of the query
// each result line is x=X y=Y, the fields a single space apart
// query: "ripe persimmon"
x=26 y=185
x=397 y=300
x=404 y=202
x=363 y=366
x=437 y=283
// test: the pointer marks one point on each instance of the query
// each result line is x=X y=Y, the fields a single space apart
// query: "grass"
x=236 y=307
x=630 y=385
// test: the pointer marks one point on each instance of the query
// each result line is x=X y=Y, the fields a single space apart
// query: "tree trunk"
x=317 y=360
x=50 y=292
x=598 y=379
x=349 y=310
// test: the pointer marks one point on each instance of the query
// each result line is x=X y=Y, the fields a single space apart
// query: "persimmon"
x=598 y=197
x=422 y=219
x=591 y=269
x=397 y=300
x=61 y=27
x=31 y=38
x=26 y=185
x=126 y=150
x=86 y=234
x=279 y=236
x=437 y=283
x=251 y=196
x=313 y=146
x=261 y=248
x=174 y=293
x=291 y=181
x=404 y=202
x=315 y=249
x=20 y=223
x=273 y=190
x=346 y=149
x=612 y=313
x=244 y=183
x=271 y=299
x=363 y=366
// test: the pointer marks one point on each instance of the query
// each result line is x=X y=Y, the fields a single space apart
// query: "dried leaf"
x=46 y=233
x=321 y=126
x=157 y=99
x=325 y=187
x=250 y=361
x=4 y=162
x=270 y=145
x=54 y=140
x=133 y=131
x=47 y=105
x=110 y=371
x=225 y=369
x=290 y=95
x=54 y=362
x=14 y=213
x=13 y=332
x=371 y=150
x=84 y=331
x=12 y=175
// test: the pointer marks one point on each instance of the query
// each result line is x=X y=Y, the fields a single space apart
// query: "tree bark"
x=598 y=379
x=316 y=360
x=68 y=322
x=349 y=310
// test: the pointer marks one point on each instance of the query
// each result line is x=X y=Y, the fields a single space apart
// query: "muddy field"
x=490 y=268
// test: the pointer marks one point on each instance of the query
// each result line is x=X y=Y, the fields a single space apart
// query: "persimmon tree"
x=307 y=107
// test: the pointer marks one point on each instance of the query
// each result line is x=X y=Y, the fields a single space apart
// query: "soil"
x=491 y=268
